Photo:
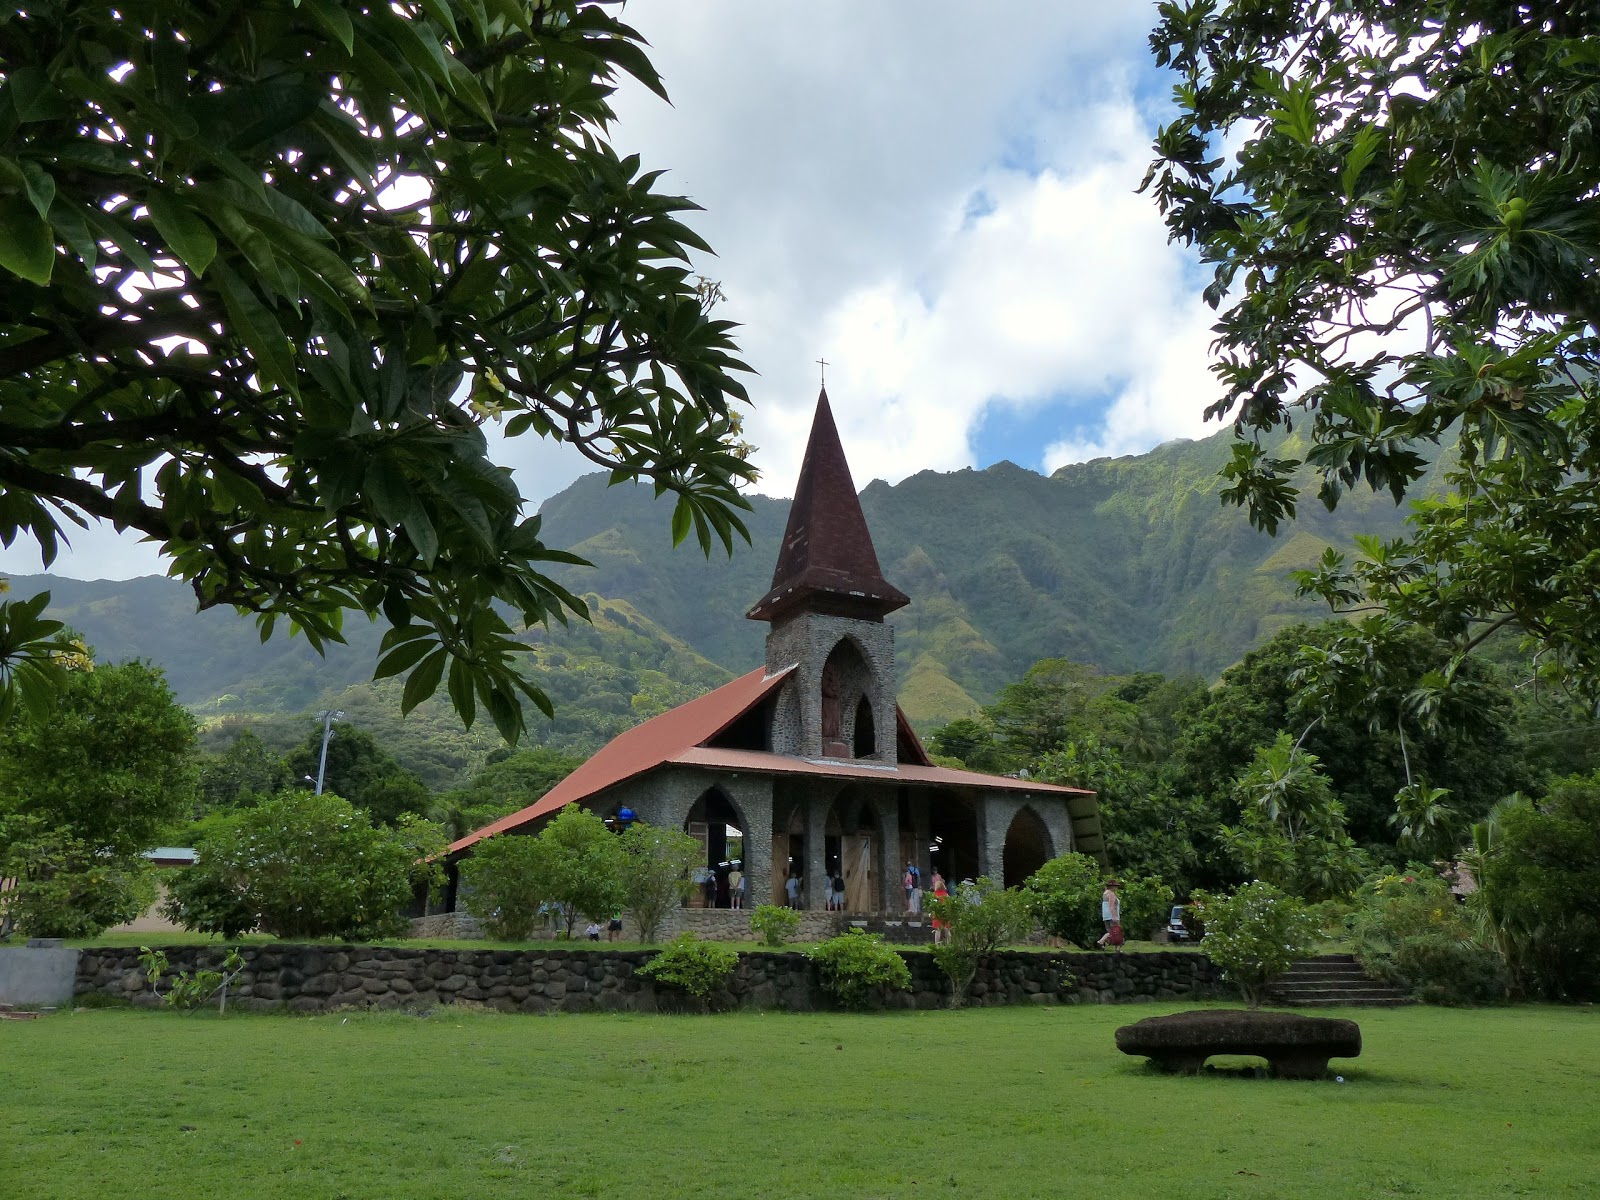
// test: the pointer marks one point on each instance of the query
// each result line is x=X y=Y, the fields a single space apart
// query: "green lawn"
x=993 y=1102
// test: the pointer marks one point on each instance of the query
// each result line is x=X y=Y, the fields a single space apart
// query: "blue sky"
x=939 y=199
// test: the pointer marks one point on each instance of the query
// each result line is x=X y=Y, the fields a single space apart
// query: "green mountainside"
x=1130 y=564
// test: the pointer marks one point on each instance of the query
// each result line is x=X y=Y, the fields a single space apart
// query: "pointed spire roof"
x=827 y=561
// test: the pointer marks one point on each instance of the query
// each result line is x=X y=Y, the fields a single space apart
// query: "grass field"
x=995 y=1102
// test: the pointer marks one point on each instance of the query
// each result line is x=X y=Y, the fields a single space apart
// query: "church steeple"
x=827 y=562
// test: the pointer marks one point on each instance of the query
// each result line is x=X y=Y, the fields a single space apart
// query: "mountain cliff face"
x=1130 y=564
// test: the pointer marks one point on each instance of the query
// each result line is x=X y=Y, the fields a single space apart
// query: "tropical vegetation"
x=224 y=329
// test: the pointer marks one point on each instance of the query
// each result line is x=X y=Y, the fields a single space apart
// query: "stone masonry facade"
x=313 y=979
x=805 y=641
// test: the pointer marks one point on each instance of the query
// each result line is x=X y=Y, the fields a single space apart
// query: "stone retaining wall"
x=712 y=924
x=721 y=925
x=322 y=978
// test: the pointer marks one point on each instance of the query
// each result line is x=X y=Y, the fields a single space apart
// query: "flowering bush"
x=297 y=866
x=1257 y=934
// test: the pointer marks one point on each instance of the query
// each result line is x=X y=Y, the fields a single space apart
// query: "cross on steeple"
x=823 y=363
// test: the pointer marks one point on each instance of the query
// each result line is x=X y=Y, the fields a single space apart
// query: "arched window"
x=866 y=740
x=845 y=674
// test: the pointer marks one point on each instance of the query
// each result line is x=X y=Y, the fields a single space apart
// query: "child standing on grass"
x=593 y=931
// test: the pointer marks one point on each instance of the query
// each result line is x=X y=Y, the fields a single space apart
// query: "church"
x=806 y=767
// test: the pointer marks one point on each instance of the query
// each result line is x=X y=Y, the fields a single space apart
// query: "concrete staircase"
x=1334 y=981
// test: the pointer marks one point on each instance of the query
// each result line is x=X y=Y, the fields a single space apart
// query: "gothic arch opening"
x=788 y=851
x=1028 y=847
x=853 y=841
x=866 y=737
x=846 y=675
x=716 y=823
x=953 y=838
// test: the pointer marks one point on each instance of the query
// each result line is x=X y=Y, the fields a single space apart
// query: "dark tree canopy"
x=361 y=771
x=268 y=269
x=1405 y=245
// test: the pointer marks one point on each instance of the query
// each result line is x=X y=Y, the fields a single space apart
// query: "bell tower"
x=826 y=607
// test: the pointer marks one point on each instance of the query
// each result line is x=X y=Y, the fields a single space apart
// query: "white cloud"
x=942 y=206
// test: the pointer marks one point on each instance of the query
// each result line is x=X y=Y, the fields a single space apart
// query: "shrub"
x=1410 y=931
x=656 y=873
x=1064 y=895
x=190 y=991
x=1539 y=876
x=979 y=918
x=1446 y=970
x=297 y=866
x=502 y=884
x=1146 y=905
x=584 y=865
x=692 y=965
x=61 y=887
x=575 y=861
x=857 y=967
x=774 y=923
x=1255 y=935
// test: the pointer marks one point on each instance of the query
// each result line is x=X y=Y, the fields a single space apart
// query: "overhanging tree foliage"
x=1408 y=235
x=266 y=272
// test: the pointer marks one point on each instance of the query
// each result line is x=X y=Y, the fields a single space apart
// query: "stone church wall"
x=594 y=979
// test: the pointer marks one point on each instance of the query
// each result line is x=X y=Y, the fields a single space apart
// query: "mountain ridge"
x=1128 y=563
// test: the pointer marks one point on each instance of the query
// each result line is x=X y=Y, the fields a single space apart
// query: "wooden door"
x=780 y=868
x=859 y=893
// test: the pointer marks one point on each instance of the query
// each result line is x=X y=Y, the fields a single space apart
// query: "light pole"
x=329 y=716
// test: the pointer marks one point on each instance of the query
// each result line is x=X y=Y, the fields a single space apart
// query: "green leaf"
x=424 y=681
x=682 y=520
x=460 y=687
x=33 y=97
x=27 y=247
x=40 y=184
x=403 y=658
x=1360 y=155
x=185 y=232
x=333 y=19
x=257 y=328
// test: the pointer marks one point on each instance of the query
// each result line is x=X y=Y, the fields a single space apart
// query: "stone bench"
x=1295 y=1047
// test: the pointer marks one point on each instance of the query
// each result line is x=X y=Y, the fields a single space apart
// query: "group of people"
x=613 y=928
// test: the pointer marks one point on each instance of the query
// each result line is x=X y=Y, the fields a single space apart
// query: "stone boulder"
x=1295 y=1047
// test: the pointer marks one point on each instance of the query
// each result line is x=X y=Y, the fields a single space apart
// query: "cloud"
x=944 y=208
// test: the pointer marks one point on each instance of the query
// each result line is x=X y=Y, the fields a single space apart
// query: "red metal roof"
x=651 y=744
x=677 y=738
x=827 y=551
x=910 y=773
